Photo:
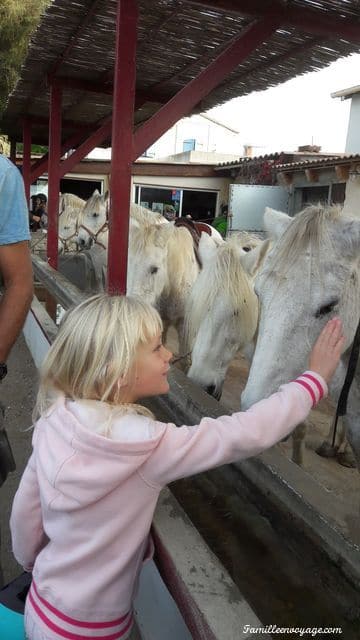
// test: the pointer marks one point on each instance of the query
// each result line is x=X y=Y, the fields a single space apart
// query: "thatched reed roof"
x=176 y=40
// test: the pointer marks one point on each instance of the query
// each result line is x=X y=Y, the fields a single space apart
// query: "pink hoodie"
x=82 y=514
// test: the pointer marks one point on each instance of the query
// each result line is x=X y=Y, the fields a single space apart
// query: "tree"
x=18 y=20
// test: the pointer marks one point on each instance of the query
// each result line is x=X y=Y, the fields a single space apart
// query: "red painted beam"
x=13 y=151
x=54 y=174
x=190 y=95
x=122 y=139
x=26 y=164
x=303 y=19
x=101 y=134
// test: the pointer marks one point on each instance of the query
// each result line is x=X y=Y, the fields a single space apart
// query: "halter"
x=341 y=407
x=65 y=241
x=93 y=235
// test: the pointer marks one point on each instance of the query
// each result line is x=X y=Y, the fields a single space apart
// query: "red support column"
x=122 y=142
x=54 y=173
x=13 y=150
x=26 y=164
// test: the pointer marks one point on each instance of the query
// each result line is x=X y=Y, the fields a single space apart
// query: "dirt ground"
x=341 y=482
x=17 y=393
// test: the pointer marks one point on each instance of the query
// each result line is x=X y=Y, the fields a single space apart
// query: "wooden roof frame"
x=266 y=17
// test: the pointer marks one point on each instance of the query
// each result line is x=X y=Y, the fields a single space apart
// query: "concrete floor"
x=18 y=395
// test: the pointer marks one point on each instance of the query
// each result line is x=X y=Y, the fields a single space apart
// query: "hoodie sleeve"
x=184 y=451
x=26 y=525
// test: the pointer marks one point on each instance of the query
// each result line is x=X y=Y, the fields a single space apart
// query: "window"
x=189 y=145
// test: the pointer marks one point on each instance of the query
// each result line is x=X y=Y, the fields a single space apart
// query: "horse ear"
x=252 y=260
x=275 y=222
x=347 y=236
x=96 y=192
x=207 y=248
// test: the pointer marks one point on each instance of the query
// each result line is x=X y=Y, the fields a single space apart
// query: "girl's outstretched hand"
x=326 y=352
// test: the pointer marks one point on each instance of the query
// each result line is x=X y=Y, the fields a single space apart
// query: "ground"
x=342 y=482
x=18 y=395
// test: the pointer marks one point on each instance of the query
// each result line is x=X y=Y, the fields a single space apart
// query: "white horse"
x=162 y=268
x=94 y=220
x=70 y=216
x=222 y=309
x=311 y=274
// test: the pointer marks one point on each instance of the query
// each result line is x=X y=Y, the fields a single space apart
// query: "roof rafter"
x=308 y=20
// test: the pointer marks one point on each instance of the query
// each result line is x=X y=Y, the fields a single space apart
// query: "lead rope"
x=341 y=407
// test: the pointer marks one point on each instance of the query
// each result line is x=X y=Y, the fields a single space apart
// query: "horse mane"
x=181 y=258
x=144 y=216
x=223 y=277
x=308 y=231
x=70 y=200
x=143 y=238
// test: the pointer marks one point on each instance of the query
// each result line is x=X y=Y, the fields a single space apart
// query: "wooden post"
x=122 y=144
x=13 y=150
x=54 y=173
x=26 y=164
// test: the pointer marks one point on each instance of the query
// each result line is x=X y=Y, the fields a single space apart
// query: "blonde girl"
x=100 y=460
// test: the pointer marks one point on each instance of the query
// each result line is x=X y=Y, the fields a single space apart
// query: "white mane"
x=181 y=258
x=70 y=200
x=308 y=231
x=223 y=278
x=145 y=216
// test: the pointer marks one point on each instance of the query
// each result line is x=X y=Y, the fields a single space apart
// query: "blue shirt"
x=14 y=215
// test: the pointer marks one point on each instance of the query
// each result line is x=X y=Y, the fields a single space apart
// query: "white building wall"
x=353 y=134
x=352 y=196
x=208 y=136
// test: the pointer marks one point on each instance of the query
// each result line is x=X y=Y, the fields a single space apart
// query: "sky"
x=298 y=112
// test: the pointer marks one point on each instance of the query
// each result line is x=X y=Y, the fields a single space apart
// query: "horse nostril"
x=213 y=391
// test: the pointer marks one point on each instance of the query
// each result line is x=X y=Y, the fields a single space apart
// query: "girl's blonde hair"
x=96 y=346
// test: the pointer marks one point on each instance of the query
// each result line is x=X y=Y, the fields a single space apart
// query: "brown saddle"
x=195 y=229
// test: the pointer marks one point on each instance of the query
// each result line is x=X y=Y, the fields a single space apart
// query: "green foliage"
x=18 y=19
x=35 y=148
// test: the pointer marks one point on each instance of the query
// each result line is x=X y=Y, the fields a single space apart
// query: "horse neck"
x=182 y=266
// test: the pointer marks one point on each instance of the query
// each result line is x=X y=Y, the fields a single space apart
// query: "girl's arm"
x=27 y=533
x=189 y=450
x=185 y=451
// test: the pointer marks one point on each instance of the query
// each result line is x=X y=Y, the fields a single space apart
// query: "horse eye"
x=154 y=270
x=326 y=308
x=247 y=249
x=66 y=228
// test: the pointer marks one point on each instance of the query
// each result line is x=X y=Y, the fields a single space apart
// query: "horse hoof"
x=346 y=459
x=326 y=450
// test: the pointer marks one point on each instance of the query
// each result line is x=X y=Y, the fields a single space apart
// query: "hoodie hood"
x=78 y=462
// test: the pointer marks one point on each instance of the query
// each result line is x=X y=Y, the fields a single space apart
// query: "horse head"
x=147 y=262
x=222 y=310
x=94 y=217
x=310 y=275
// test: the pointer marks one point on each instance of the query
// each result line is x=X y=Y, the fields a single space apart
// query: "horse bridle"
x=341 y=407
x=66 y=240
x=93 y=235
